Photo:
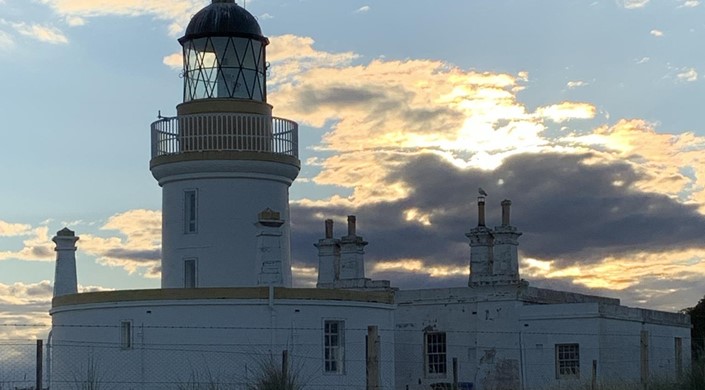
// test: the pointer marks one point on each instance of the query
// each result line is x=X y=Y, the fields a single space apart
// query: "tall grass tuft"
x=269 y=376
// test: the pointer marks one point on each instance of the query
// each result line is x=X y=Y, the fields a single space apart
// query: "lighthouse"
x=224 y=163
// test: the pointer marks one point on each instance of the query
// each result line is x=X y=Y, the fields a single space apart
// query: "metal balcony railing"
x=224 y=132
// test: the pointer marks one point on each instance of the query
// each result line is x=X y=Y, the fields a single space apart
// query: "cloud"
x=363 y=9
x=136 y=248
x=689 y=4
x=633 y=4
x=75 y=21
x=24 y=309
x=292 y=55
x=6 y=41
x=656 y=33
x=589 y=220
x=174 y=61
x=688 y=75
x=412 y=140
x=37 y=247
x=566 y=111
x=8 y=229
x=576 y=84
x=41 y=33
x=177 y=12
x=266 y=16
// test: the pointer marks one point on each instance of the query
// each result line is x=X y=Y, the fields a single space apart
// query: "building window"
x=190 y=211
x=190 y=273
x=567 y=361
x=126 y=334
x=436 y=353
x=333 y=346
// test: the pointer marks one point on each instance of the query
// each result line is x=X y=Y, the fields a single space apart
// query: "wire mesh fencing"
x=18 y=364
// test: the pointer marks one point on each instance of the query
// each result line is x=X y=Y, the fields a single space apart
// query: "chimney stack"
x=328 y=257
x=506 y=243
x=65 y=281
x=352 y=250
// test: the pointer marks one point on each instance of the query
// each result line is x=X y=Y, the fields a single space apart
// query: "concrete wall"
x=501 y=340
x=224 y=340
x=480 y=325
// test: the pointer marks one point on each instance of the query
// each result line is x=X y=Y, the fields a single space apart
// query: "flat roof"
x=181 y=294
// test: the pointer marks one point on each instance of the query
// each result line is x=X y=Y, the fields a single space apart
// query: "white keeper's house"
x=226 y=307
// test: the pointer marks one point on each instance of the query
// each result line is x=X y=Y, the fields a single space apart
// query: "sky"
x=584 y=113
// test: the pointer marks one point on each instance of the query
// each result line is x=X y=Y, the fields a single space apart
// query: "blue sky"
x=584 y=113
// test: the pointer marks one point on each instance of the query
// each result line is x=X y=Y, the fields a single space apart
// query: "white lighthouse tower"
x=224 y=163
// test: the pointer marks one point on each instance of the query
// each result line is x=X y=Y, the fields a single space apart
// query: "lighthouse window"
x=333 y=346
x=190 y=273
x=190 y=210
x=126 y=334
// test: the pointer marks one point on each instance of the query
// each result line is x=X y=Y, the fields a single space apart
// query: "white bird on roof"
x=481 y=191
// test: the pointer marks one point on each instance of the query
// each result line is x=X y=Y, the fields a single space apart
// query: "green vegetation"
x=271 y=376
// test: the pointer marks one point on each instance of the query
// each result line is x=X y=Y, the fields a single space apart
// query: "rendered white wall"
x=175 y=340
x=230 y=196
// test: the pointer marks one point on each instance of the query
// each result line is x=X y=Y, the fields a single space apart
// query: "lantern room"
x=224 y=54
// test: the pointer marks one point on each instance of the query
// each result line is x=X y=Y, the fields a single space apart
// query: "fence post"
x=644 y=358
x=285 y=368
x=40 y=360
x=373 y=378
x=455 y=373
x=594 y=375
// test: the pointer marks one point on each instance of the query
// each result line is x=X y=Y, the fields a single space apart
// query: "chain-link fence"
x=304 y=361
x=18 y=364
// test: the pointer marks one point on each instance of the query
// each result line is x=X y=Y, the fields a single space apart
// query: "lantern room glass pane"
x=224 y=67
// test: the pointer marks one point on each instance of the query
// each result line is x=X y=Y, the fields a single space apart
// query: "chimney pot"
x=329 y=228
x=481 y=211
x=506 y=204
x=351 y=225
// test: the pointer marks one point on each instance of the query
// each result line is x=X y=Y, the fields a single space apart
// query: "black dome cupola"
x=224 y=54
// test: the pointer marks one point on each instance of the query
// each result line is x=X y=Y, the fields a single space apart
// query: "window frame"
x=194 y=272
x=190 y=211
x=435 y=354
x=126 y=335
x=569 y=354
x=334 y=355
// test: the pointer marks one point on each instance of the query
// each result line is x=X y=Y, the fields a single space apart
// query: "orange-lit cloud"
x=36 y=247
x=136 y=247
x=48 y=34
x=566 y=111
x=420 y=267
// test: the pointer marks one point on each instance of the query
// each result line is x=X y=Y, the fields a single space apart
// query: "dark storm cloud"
x=136 y=255
x=569 y=210
x=309 y=97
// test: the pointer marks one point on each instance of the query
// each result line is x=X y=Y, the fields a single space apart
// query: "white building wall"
x=230 y=195
x=179 y=341
x=481 y=332
x=621 y=350
x=543 y=327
